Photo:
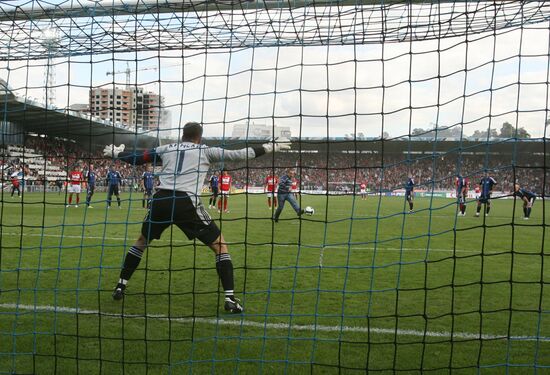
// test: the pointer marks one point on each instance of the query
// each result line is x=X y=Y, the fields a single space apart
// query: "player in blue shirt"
x=284 y=193
x=214 y=189
x=486 y=188
x=148 y=182
x=409 y=193
x=114 y=180
x=528 y=198
x=90 y=178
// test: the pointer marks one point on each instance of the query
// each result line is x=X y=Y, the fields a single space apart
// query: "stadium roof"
x=34 y=117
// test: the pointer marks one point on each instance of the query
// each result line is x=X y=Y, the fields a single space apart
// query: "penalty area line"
x=242 y=322
x=320 y=247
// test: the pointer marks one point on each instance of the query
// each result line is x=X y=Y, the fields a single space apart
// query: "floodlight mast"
x=50 y=40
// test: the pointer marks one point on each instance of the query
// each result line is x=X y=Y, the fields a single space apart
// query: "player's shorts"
x=149 y=191
x=69 y=188
x=224 y=192
x=461 y=197
x=408 y=195
x=362 y=191
x=91 y=188
x=484 y=198
x=270 y=194
x=174 y=207
x=113 y=189
x=76 y=189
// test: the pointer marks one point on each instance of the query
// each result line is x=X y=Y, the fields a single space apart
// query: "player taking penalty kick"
x=177 y=201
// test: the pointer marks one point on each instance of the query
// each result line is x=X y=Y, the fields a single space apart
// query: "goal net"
x=417 y=242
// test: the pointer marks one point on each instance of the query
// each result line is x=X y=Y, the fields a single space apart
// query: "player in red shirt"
x=294 y=187
x=363 y=190
x=225 y=187
x=75 y=180
x=270 y=188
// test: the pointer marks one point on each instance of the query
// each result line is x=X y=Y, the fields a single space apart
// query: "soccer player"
x=225 y=187
x=16 y=181
x=75 y=180
x=294 y=188
x=214 y=183
x=148 y=183
x=90 y=184
x=528 y=198
x=462 y=186
x=177 y=201
x=409 y=193
x=114 y=179
x=284 y=194
x=270 y=187
x=486 y=188
x=363 y=190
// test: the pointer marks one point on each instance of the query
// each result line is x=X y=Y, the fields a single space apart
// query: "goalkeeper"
x=184 y=168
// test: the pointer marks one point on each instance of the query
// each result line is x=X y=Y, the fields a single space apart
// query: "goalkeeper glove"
x=112 y=151
x=277 y=145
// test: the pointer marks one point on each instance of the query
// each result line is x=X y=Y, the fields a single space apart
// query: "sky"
x=327 y=91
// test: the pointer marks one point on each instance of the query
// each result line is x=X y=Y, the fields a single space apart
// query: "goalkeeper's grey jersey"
x=185 y=165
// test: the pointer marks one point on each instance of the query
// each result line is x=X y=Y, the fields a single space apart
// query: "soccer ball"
x=309 y=210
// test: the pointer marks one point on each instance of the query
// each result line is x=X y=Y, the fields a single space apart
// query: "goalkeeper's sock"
x=224 y=266
x=131 y=262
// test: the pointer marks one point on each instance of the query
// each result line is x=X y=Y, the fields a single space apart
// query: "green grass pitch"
x=359 y=284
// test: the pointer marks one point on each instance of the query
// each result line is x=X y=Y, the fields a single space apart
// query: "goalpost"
x=372 y=93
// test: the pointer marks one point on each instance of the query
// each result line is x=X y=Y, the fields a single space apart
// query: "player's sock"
x=269 y=202
x=131 y=262
x=70 y=199
x=224 y=266
x=118 y=201
x=411 y=205
x=225 y=204
x=528 y=212
x=488 y=209
x=524 y=211
x=220 y=204
x=478 y=209
x=77 y=200
x=274 y=201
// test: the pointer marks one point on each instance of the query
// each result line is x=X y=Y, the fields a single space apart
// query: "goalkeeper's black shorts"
x=175 y=207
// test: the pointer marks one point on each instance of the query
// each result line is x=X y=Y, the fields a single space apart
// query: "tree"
x=480 y=134
x=507 y=130
x=418 y=131
x=522 y=133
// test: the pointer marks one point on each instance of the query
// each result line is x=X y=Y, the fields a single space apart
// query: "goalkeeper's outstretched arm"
x=132 y=157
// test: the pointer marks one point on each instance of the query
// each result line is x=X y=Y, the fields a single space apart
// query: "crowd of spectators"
x=337 y=171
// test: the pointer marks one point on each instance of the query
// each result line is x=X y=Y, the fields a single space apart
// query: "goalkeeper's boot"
x=118 y=293
x=233 y=305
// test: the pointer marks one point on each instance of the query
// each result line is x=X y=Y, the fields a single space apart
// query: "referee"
x=184 y=169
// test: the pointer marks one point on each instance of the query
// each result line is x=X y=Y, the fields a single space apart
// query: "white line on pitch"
x=284 y=326
x=328 y=246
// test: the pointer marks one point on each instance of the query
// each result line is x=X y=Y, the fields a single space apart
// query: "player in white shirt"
x=177 y=201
